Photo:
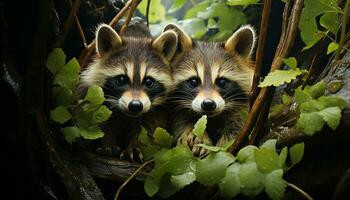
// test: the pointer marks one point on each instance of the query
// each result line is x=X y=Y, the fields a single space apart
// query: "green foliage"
x=82 y=117
x=317 y=109
x=156 y=12
x=55 y=60
x=200 y=126
x=328 y=10
x=241 y=2
x=60 y=114
x=251 y=172
x=218 y=18
x=333 y=46
x=296 y=153
x=278 y=77
x=162 y=138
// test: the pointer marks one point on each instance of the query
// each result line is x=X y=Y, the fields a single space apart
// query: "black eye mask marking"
x=153 y=88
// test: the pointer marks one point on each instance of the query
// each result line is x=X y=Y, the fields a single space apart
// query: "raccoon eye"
x=194 y=82
x=148 y=82
x=222 y=82
x=121 y=80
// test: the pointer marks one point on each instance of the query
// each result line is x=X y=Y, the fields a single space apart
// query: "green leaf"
x=241 y=2
x=275 y=185
x=296 y=153
x=177 y=4
x=329 y=20
x=333 y=46
x=195 y=27
x=95 y=95
x=68 y=75
x=332 y=116
x=62 y=96
x=278 y=77
x=192 y=12
x=229 y=18
x=176 y=161
x=151 y=186
x=291 y=62
x=251 y=179
x=246 y=154
x=316 y=90
x=70 y=133
x=200 y=126
x=156 y=10
x=180 y=181
x=60 y=114
x=91 y=133
x=230 y=184
x=310 y=106
x=309 y=123
x=332 y=101
x=209 y=147
x=301 y=96
x=309 y=31
x=212 y=169
x=162 y=138
x=56 y=60
x=282 y=157
x=266 y=159
x=102 y=114
x=143 y=137
x=270 y=144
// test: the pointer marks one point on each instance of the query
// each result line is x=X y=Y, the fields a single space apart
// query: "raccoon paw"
x=191 y=141
x=109 y=150
x=132 y=152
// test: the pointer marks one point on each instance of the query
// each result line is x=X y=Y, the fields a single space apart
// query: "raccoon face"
x=211 y=77
x=133 y=72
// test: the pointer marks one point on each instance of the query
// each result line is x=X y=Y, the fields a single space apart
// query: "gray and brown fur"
x=212 y=78
x=135 y=75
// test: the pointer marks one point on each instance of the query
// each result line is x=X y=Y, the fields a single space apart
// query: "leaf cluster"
x=78 y=117
x=317 y=109
x=251 y=172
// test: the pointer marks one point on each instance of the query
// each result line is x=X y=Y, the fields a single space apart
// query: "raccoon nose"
x=208 y=105
x=135 y=106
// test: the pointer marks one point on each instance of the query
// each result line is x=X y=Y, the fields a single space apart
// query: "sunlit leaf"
x=296 y=153
x=278 y=77
x=60 y=114
x=275 y=185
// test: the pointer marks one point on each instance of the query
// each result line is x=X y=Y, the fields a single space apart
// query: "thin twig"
x=260 y=50
x=81 y=32
x=283 y=49
x=311 y=70
x=147 y=11
x=300 y=191
x=68 y=24
x=343 y=30
x=91 y=47
x=130 y=14
x=131 y=177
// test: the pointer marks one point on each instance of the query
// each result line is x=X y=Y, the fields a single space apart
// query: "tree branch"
x=343 y=29
x=282 y=51
x=86 y=53
x=68 y=24
x=130 y=14
x=260 y=50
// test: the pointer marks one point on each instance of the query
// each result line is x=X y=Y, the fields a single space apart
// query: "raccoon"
x=213 y=79
x=135 y=76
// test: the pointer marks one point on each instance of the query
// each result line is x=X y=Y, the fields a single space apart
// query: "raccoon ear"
x=185 y=41
x=106 y=39
x=242 y=42
x=166 y=44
